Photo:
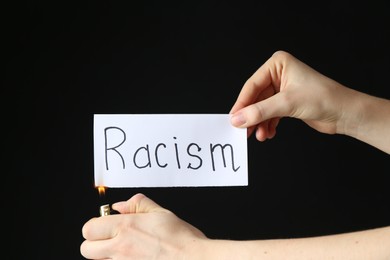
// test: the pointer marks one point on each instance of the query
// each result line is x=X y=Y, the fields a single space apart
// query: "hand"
x=143 y=230
x=286 y=87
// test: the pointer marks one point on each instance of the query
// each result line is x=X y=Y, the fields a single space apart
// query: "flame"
x=101 y=190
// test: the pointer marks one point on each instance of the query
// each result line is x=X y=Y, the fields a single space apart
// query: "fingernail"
x=238 y=119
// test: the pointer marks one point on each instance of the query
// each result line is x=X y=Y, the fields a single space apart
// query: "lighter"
x=105 y=210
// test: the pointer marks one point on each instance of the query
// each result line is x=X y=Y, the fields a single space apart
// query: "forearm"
x=367 y=118
x=370 y=244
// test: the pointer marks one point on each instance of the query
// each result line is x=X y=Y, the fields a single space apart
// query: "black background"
x=66 y=61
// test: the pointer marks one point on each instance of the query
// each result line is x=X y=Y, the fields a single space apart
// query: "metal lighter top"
x=105 y=210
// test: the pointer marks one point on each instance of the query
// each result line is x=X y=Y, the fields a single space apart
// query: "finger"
x=101 y=228
x=250 y=130
x=262 y=131
x=267 y=129
x=258 y=82
x=272 y=127
x=250 y=91
x=277 y=105
x=139 y=203
x=95 y=249
x=269 y=91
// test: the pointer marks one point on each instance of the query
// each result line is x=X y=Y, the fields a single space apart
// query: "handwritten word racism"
x=170 y=153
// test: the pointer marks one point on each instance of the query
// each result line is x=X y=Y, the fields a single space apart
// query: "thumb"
x=273 y=107
x=139 y=203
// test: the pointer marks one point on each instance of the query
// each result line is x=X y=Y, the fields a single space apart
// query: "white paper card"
x=169 y=150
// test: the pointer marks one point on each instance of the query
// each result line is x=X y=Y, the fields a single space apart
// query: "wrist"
x=351 y=113
x=365 y=117
x=197 y=249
